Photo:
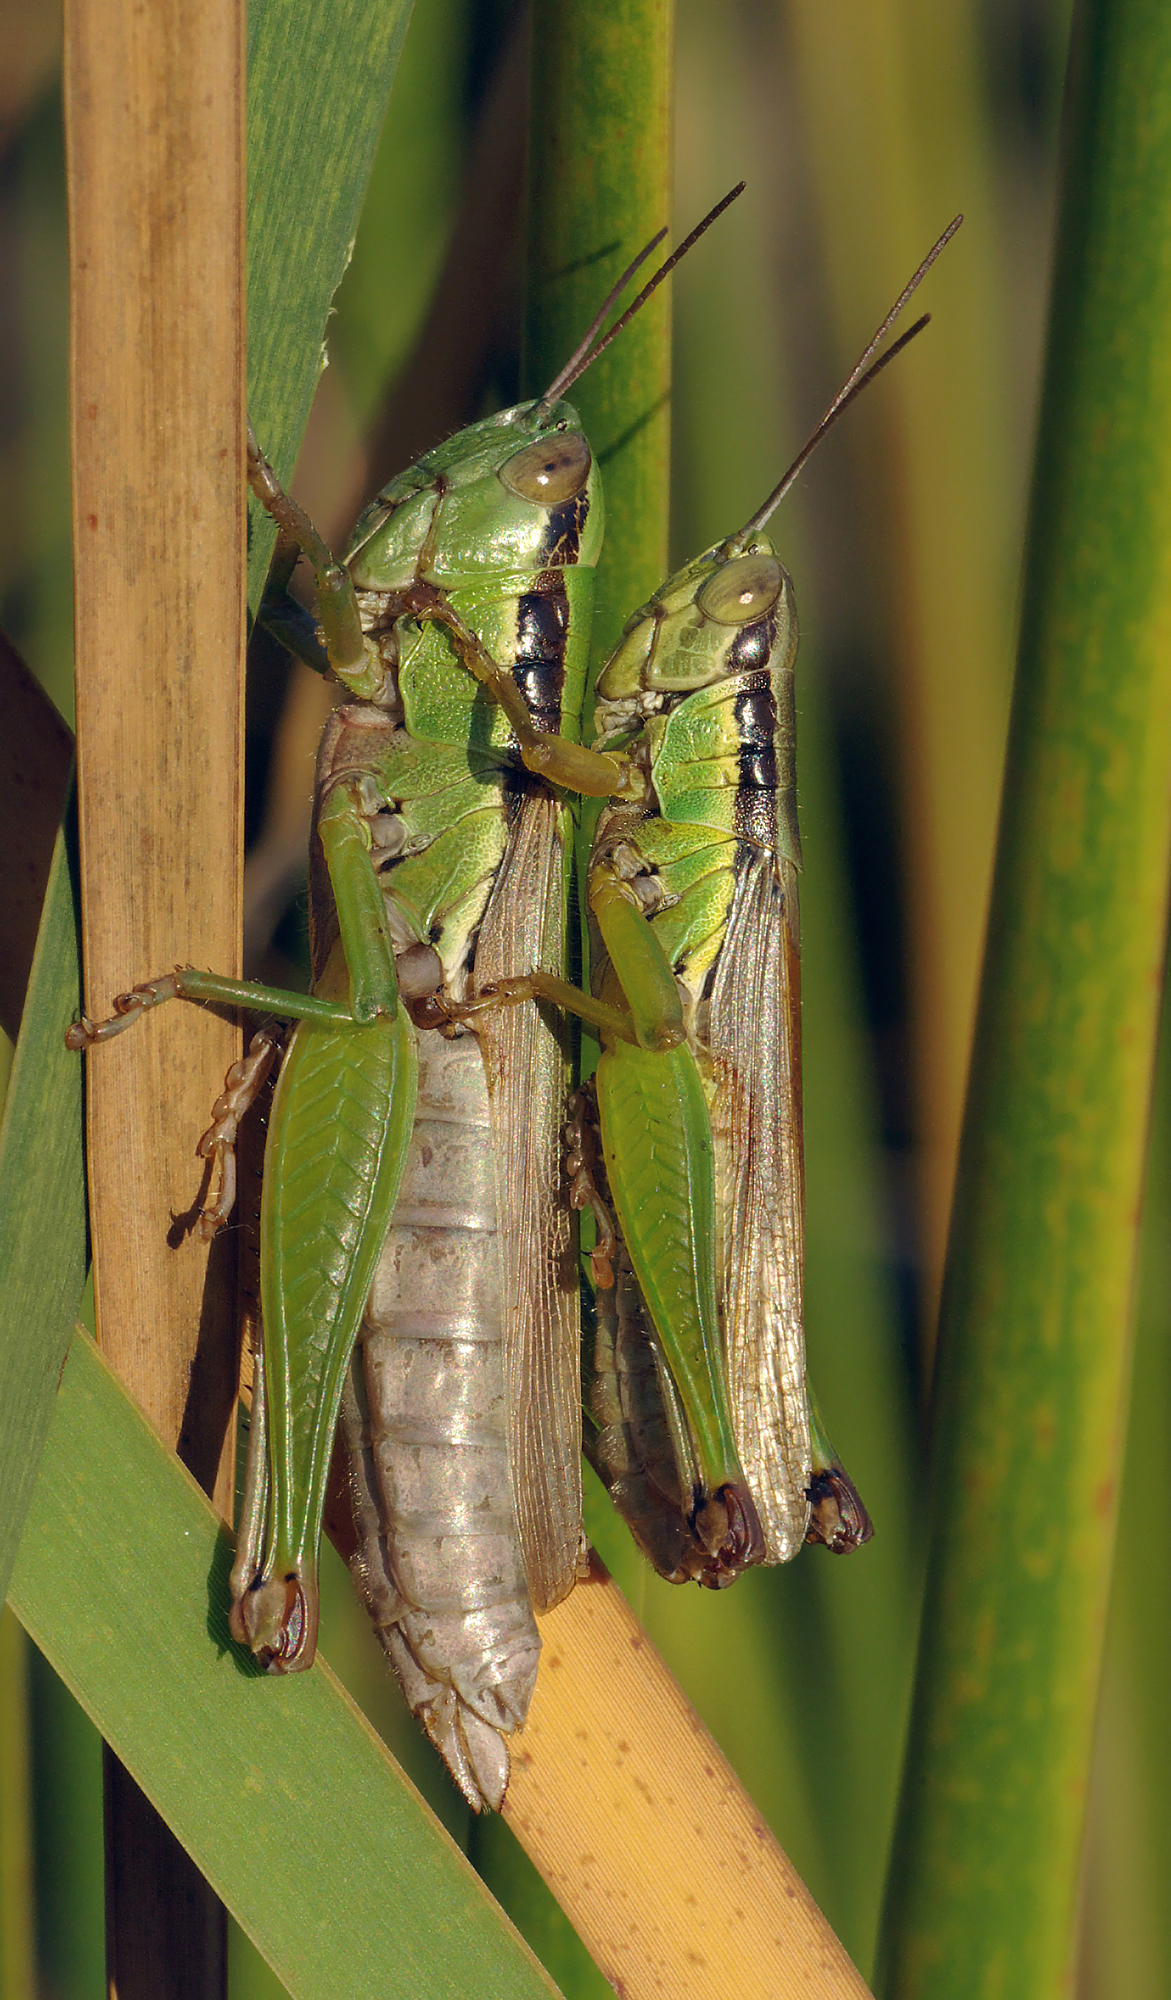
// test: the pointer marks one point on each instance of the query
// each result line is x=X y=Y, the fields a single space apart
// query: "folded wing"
x=754 y=1035
x=526 y=1065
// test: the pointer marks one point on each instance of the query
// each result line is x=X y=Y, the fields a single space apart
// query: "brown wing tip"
x=728 y=1526
x=837 y=1516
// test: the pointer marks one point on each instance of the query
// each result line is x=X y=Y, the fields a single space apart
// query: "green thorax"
x=701 y=683
x=700 y=692
x=506 y=518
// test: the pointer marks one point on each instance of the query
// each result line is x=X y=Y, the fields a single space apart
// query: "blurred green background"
x=861 y=128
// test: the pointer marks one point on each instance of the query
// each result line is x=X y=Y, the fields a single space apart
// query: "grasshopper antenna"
x=863 y=372
x=586 y=353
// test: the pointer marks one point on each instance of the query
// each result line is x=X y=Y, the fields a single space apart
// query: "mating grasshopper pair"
x=413 y=1198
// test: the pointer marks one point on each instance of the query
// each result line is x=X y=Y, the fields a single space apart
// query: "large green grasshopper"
x=412 y=1196
x=706 y=1433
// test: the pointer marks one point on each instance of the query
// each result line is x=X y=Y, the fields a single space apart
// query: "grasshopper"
x=706 y=1433
x=411 y=1196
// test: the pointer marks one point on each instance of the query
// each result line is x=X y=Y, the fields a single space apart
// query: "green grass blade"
x=1035 y=1326
x=42 y=1208
x=277 y=1787
x=318 y=82
x=407 y=218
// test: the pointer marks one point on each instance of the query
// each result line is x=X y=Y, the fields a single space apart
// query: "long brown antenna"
x=586 y=353
x=858 y=379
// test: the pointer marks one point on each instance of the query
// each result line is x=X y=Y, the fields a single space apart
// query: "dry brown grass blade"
x=157 y=419
x=154 y=116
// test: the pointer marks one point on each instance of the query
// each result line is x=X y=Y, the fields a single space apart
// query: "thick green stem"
x=600 y=177
x=1035 y=1329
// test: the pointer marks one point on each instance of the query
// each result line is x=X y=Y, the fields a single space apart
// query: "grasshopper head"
x=728 y=612
x=517 y=493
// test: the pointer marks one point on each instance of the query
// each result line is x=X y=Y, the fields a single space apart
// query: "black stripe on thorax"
x=542 y=631
x=755 y=710
x=752 y=646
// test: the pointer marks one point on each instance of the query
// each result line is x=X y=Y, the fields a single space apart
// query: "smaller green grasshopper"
x=703 y=845
x=707 y=1435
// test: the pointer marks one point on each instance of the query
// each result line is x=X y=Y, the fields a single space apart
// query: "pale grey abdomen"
x=438 y=1560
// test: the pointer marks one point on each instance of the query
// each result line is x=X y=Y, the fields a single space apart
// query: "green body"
x=702 y=842
x=422 y=779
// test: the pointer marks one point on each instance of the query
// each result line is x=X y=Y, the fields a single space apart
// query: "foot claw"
x=243 y=1085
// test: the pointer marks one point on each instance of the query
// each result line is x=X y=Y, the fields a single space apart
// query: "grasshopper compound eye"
x=741 y=590
x=551 y=471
